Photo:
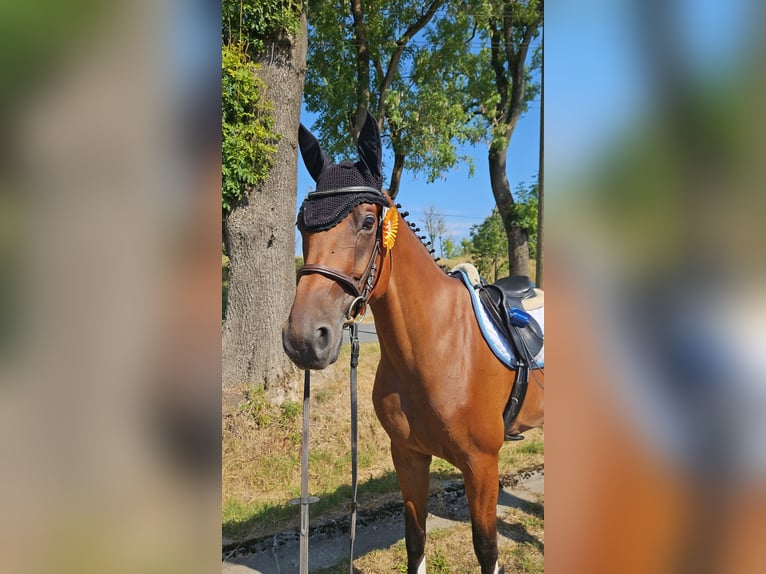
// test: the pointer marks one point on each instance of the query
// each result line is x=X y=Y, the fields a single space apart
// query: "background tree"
x=248 y=142
x=435 y=228
x=488 y=247
x=451 y=250
x=364 y=55
x=267 y=39
x=526 y=209
x=484 y=48
x=488 y=242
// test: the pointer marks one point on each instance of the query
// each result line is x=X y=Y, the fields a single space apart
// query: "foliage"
x=248 y=138
x=484 y=59
x=251 y=23
x=488 y=241
x=248 y=142
x=439 y=562
x=467 y=77
x=488 y=245
x=525 y=213
x=424 y=126
x=466 y=66
x=450 y=249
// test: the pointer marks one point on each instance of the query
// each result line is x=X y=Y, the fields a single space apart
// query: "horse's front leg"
x=481 y=489
x=412 y=470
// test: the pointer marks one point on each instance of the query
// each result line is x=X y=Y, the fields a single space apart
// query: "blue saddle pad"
x=501 y=346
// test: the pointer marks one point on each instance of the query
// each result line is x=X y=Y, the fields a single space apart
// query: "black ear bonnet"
x=343 y=186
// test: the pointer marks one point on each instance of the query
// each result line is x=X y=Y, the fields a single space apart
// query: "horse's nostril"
x=323 y=337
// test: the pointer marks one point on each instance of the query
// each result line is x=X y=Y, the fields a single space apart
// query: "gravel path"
x=328 y=543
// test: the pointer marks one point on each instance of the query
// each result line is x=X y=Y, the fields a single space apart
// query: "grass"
x=261 y=452
x=261 y=470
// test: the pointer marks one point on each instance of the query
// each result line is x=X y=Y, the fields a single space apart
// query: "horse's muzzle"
x=311 y=346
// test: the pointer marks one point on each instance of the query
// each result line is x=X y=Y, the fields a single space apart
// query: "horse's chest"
x=417 y=412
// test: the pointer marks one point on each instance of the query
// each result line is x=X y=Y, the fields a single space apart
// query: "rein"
x=305 y=499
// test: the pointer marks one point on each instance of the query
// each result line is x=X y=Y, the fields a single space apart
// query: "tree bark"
x=518 y=250
x=518 y=246
x=396 y=175
x=260 y=237
x=362 y=69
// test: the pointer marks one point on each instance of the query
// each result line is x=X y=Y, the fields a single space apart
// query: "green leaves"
x=247 y=127
x=488 y=242
x=525 y=213
x=422 y=123
x=249 y=141
x=488 y=246
x=250 y=22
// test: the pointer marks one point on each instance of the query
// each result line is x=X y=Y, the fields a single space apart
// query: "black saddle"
x=502 y=300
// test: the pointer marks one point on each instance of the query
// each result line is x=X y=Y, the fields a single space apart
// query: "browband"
x=342 y=190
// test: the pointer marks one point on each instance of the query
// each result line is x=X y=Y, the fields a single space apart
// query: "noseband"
x=359 y=289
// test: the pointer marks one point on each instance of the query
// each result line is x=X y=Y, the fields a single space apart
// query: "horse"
x=439 y=390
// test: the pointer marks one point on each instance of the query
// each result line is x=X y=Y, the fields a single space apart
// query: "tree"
x=488 y=242
x=266 y=39
x=433 y=222
x=248 y=142
x=525 y=213
x=362 y=56
x=494 y=83
x=450 y=249
x=488 y=246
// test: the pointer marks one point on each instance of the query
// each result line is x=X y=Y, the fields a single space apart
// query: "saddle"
x=503 y=303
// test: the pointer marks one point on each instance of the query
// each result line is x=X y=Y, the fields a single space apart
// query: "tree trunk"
x=518 y=247
x=362 y=69
x=518 y=251
x=396 y=175
x=260 y=238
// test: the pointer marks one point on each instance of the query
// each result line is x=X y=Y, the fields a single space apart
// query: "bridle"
x=361 y=289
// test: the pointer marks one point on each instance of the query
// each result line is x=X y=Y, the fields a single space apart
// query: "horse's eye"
x=369 y=222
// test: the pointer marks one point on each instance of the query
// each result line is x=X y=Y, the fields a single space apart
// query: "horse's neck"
x=416 y=290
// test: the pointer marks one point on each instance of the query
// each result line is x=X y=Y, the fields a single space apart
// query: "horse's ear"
x=370 y=147
x=314 y=157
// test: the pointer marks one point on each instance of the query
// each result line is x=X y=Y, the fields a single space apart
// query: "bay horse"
x=439 y=390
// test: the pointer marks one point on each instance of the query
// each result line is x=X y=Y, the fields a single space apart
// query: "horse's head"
x=340 y=226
